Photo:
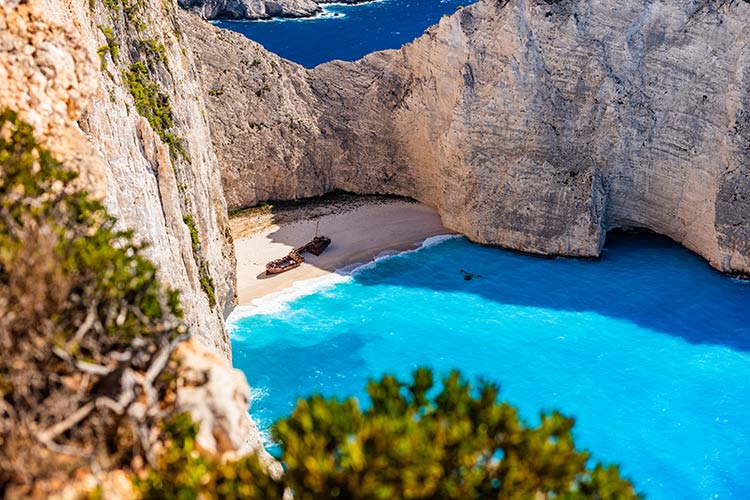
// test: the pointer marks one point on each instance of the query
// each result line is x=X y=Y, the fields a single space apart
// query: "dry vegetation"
x=86 y=329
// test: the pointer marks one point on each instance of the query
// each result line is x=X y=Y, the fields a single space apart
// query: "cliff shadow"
x=641 y=277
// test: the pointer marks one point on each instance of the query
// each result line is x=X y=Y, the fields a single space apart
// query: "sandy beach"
x=359 y=228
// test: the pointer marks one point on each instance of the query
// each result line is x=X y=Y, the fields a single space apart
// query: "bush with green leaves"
x=83 y=317
x=153 y=105
x=184 y=473
x=414 y=441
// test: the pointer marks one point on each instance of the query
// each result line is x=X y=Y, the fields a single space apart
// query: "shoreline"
x=276 y=301
x=321 y=13
x=360 y=229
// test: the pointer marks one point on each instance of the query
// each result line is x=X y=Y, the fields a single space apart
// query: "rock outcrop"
x=110 y=88
x=48 y=75
x=251 y=9
x=217 y=397
x=533 y=125
x=68 y=68
x=258 y=9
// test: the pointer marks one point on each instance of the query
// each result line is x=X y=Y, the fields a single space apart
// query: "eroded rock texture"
x=217 y=397
x=59 y=70
x=531 y=125
x=258 y=9
x=70 y=68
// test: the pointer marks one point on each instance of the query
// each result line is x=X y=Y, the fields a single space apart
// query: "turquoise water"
x=346 y=32
x=648 y=348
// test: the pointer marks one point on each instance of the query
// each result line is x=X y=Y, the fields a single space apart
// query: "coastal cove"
x=248 y=270
x=635 y=346
x=361 y=228
x=647 y=347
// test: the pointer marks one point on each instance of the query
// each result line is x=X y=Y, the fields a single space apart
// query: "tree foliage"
x=183 y=473
x=460 y=443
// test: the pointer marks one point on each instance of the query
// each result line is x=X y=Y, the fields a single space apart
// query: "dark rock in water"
x=469 y=276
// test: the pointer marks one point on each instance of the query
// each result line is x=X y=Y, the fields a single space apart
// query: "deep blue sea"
x=346 y=32
x=648 y=348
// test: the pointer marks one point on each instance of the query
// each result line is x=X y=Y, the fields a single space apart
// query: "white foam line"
x=258 y=393
x=265 y=436
x=278 y=301
x=325 y=13
x=389 y=254
x=344 y=4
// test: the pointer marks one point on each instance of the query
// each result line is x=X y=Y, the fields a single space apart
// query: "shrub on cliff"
x=461 y=443
x=85 y=325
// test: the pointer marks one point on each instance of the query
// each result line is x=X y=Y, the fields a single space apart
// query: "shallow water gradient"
x=648 y=348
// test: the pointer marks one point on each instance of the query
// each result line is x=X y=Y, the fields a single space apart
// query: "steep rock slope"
x=258 y=9
x=529 y=125
x=251 y=9
x=86 y=89
x=110 y=88
x=263 y=117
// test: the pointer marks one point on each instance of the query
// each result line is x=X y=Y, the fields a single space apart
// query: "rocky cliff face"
x=110 y=88
x=263 y=116
x=531 y=125
x=85 y=74
x=258 y=9
x=251 y=9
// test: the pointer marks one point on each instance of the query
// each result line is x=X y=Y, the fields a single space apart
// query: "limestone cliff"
x=72 y=70
x=251 y=9
x=532 y=125
x=110 y=88
x=263 y=117
x=258 y=9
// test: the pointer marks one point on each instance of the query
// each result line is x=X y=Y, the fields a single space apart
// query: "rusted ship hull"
x=295 y=258
x=291 y=261
x=317 y=245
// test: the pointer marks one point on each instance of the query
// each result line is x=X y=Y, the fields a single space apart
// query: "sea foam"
x=277 y=302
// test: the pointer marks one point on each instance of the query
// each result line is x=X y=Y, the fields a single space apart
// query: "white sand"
x=357 y=236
